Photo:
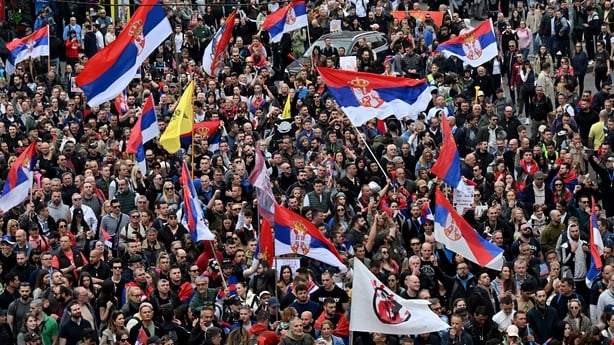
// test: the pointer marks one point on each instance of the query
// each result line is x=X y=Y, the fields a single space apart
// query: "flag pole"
x=371 y=151
x=219 y=266
x=49 y=54
x=192 y=154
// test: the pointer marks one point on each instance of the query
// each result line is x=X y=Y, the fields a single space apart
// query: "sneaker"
x=591 y=62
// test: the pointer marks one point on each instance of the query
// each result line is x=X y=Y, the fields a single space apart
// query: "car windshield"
x=337 y=43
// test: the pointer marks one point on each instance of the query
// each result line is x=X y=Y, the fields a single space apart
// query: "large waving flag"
x=19 y=179
x=264 y=190
x=205 y=128
x=457 y=235
x=363 y=96
x=296 y=235
x=266 y=206
x=381 y=310
x=447 y=165
x=474 y=47
x=112 y=68
x=181 y=123
x=266 y=247
x=213 y=57
x=286 y=19
x=596 y=248
x=32 y=46
x=193 y=213
x=145 y=129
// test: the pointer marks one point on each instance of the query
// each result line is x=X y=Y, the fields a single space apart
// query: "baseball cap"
x=7 y=239
x=542 y=128
x=226 y=262
x=611 y=159
x=234 y=300
x=539 y=175
x=273 y=302
x=265 y=292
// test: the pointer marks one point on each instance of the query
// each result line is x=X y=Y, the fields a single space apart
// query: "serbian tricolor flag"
x=114 y=67
x=474 y=47
x=213 y=58
x=286 y=19
x=596 y=248
x=205 y=128
x=376 y=308
x=193 y=212
x=19 y=179
x=145 y=129
x=108 y=240
x=447 y=165
x=141 y=338
x=363 y=96
x=121 y=103
x=458 y=236
x=296 y=235
x=32 y=46
x=426 y=213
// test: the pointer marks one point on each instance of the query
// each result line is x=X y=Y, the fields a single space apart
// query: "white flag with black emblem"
x=377 y=309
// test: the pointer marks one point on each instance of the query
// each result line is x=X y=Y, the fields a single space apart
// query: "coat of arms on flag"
x=300 y=239
x=365 y=95
x=472 y=47
x=136 y=32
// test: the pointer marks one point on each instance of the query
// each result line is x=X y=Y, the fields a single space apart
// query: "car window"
x=377 y=41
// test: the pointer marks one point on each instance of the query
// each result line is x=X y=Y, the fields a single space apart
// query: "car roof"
x=348 y=34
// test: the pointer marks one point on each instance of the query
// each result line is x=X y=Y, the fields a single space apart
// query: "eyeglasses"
x=136 y=216
x=476 y=195
x=236 y=209
x=124 y=340
x=574 y=307
x=392 y=280
x=62 y=226
x=558 y=184
x=117 y=267
x=194 y=271
x=341 y=210
x=384 y=252
x=76 y=199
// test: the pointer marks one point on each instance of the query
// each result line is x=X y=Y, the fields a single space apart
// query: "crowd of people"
x=100 y=253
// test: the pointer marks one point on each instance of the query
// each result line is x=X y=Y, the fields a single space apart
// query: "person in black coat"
x=89 y=42
x=528 y=194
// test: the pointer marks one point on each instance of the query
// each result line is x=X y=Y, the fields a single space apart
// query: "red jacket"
x=265 y=337
x=516 y=80
x=341 y=329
